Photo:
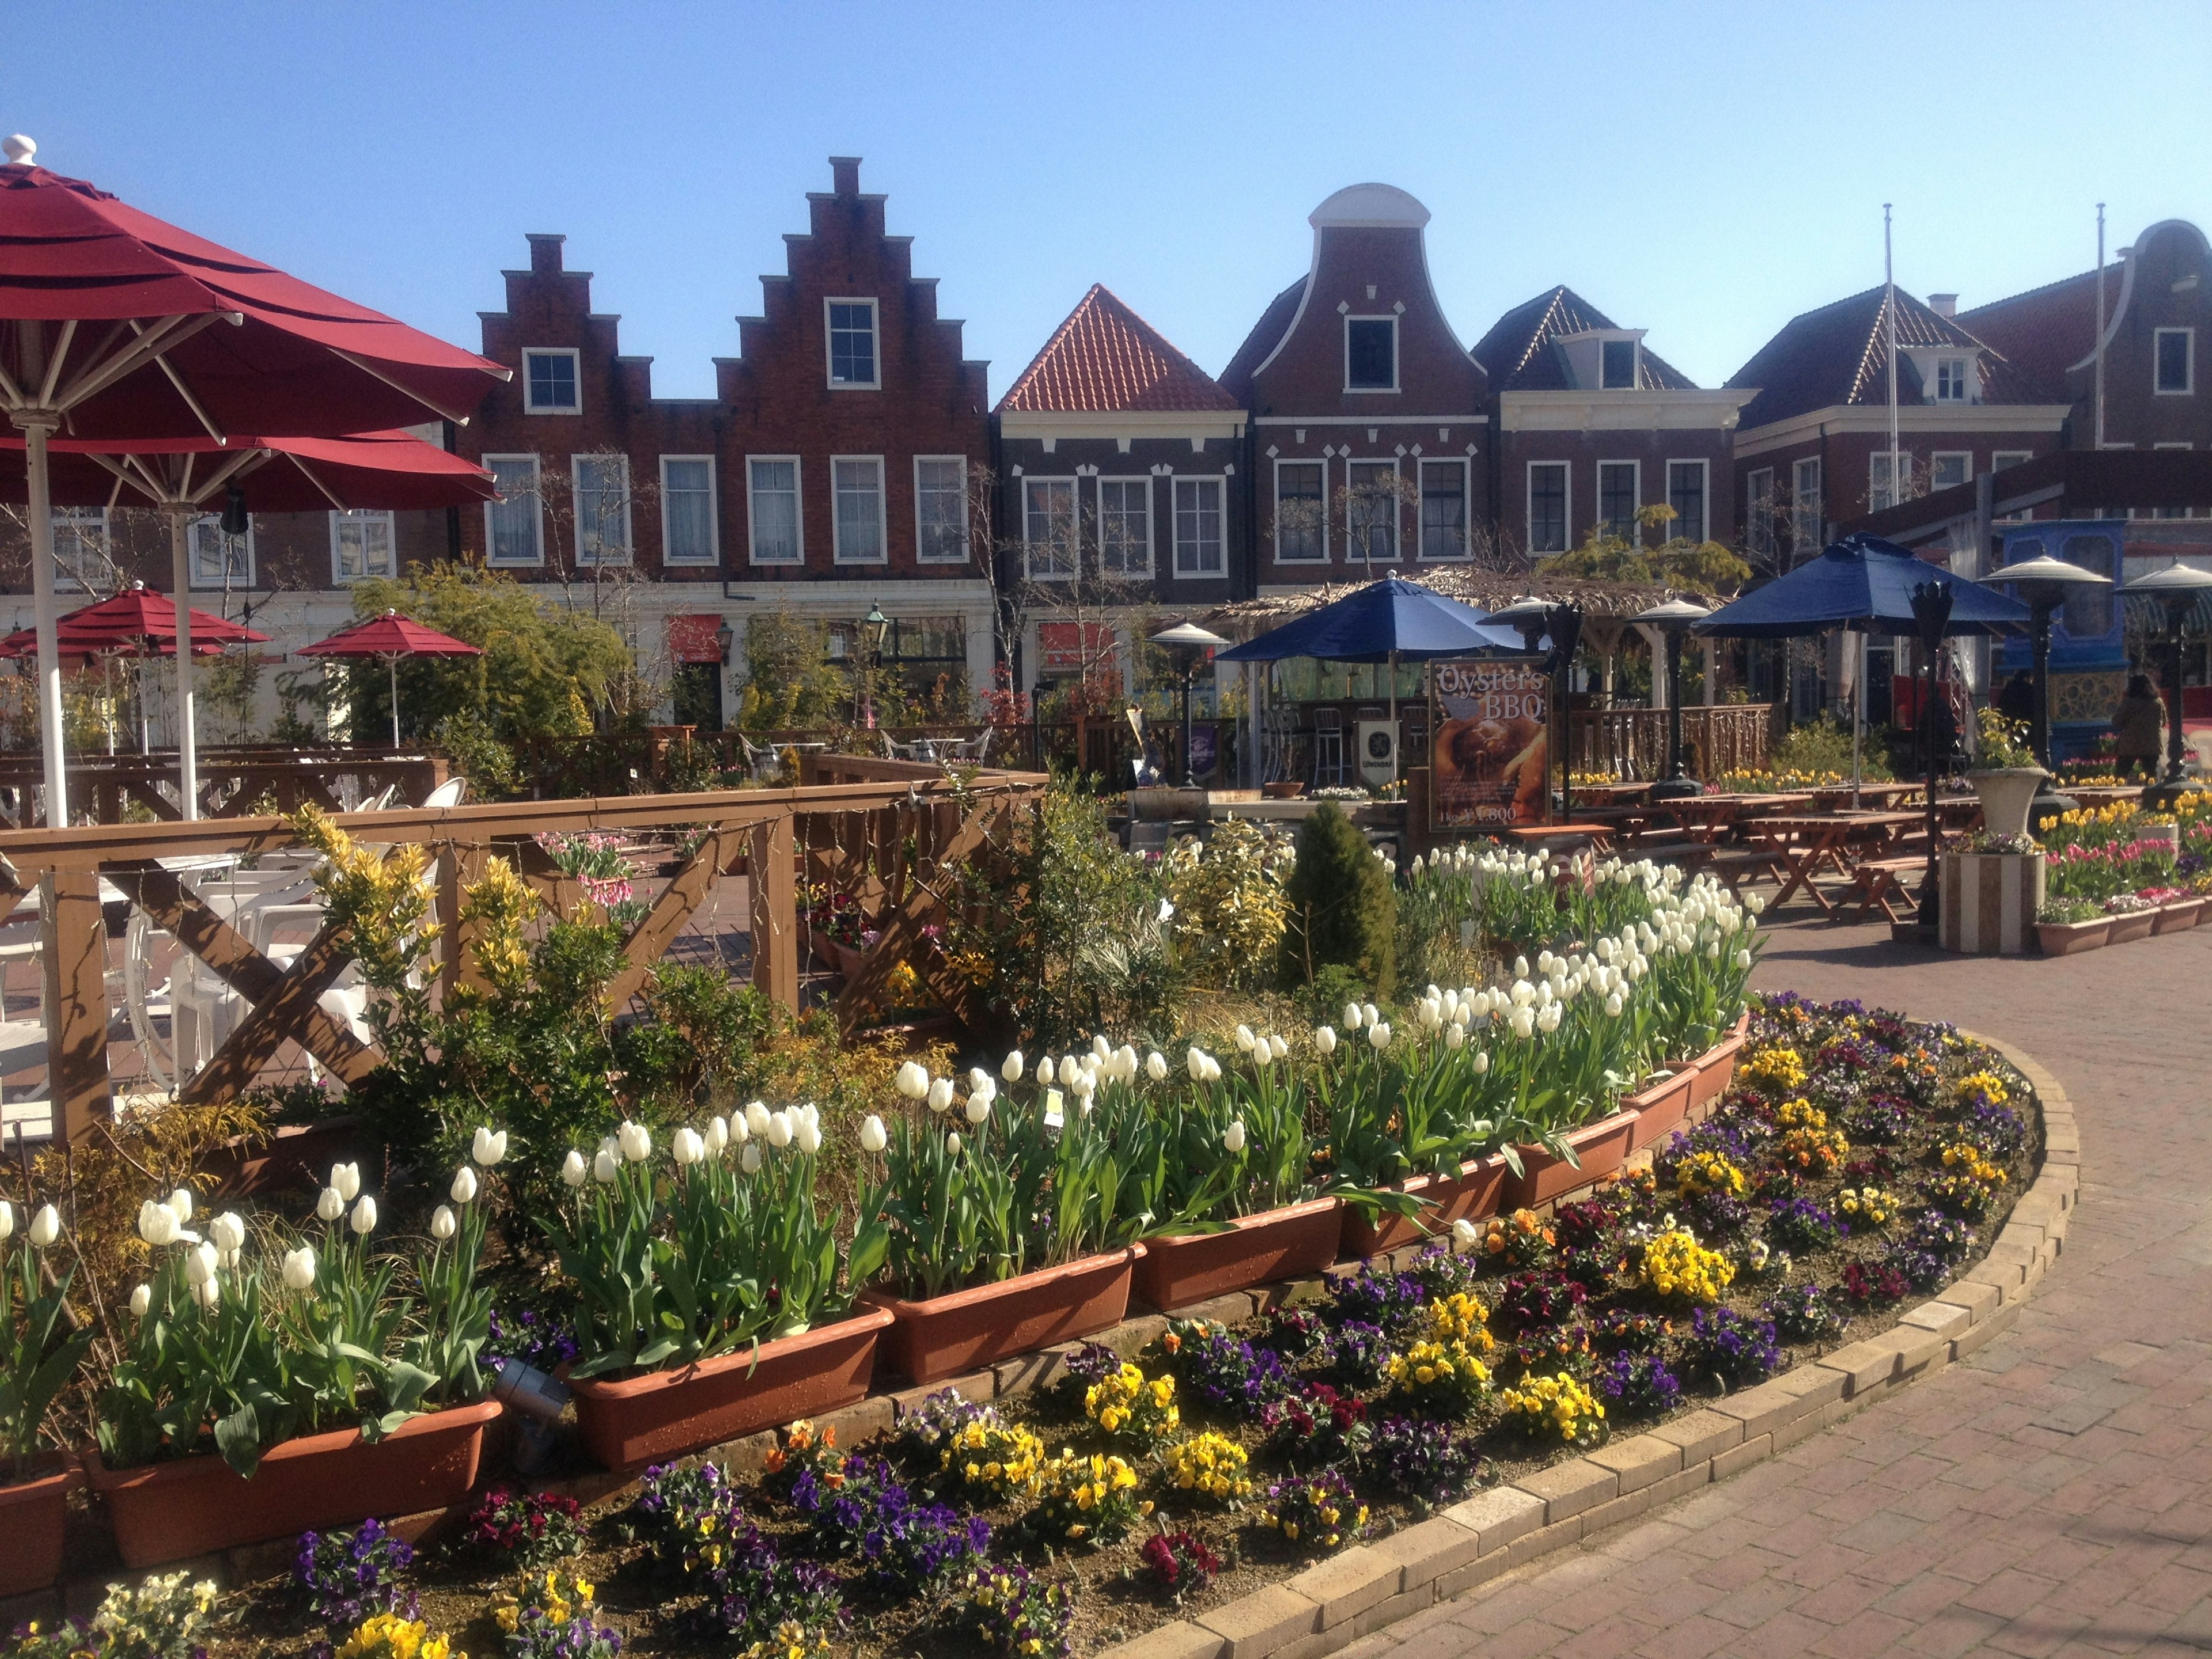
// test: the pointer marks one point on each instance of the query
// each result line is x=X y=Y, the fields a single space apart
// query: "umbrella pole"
x=180 y=588
x=36 y=433
x=393 y=663
x=1858 y=717
x=1395 y=768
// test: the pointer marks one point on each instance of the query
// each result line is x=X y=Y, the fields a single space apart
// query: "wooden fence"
x=889 y=831
x=1632 y=742
x=233 y=782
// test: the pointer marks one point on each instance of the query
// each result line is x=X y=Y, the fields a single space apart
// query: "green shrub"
x=1825 y=746
x=1343 y=908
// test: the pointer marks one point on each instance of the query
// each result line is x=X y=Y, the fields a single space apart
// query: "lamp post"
x=2179 y=589
x=2043 y=584
x=1672 y=620
x=875 y=627
x=1931 y=616
x=1189 y=643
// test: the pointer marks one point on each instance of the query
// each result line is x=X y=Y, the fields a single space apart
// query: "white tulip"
x=1520 y=967
x=574 y=1170
x=940 y=1095
x=141 y=1300
x=1374 y=1016
x=209 y=1294
x=717 y=1136
x=990 y=1088
x=1156 y=1066
x=1351 y=1016
x=1544 y=961
x=977 y=1110
x=1613 y=1005
x=1454 y=1036
x=346 y=1178
x=750 y=1159
x=688 y=1146
x=757 y=1117
x=952 y=1143
x=329 y=1204
x=46 y=1227
x=7 y=1221
x=442 y=1224
x=778 y=1129
x=911 y=1080
x=363 y=1220
x=1194 y=1063
x=1012 y=1070
x=300 y=1268
x=977 y=1077
x=463 y=1188
x=1212 y=1069
x=1325 y=1038
x=1605 y=950
x=1524 y=1022
x=874 y=1136
x=1126 y=1063
x=1100 y=1046
x=157 y=1223
x=1277 y=1046
x=635 y=1141
x=605 y=1165
x=1522 y=993
x=228 y=1233
x=489 y=1148
x=1232 y=1137
x=1754 y=904
x=1070 y=1069
x=1244 y=1039
x=1481 y=1061
x=1379 y=1034
x=1743 y=958
x=1465 y=1234
x=200 y=1263
x=806 y=1133
x=1548 y=1020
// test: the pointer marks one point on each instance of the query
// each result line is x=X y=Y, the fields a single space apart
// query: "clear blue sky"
x=1702 y=172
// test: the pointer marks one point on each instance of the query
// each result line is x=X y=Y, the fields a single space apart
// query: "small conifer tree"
x=1343 y=910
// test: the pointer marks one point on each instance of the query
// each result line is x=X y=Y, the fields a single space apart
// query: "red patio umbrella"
x=135 y=620
x=146 y=298
x=391 y=636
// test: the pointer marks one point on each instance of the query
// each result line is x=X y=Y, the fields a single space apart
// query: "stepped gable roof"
x=1513 y=353
x=1107 y=359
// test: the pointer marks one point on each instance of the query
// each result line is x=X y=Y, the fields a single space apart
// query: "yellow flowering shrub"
x=1230 y=910
x=1709 y=1172
x=1867 y=1207
x=388 y=1636
x=1676 y=1265
x=1000 y=1459
x=1812 y=1151
x=378 y=902
x=1212 y=1466
x=1800 y=1114
x=1778 y=1071
x=1088 y=1499
x=1541 y=1407
x=1441 y=1378
x=1127 y=1404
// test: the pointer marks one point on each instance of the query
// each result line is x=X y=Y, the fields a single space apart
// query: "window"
x=1370 y=512
x=940 y=509
x=548 y=383
x=221 y=561
x=689 y=533
x=602 y=487
x=1443 y=509
x=361 y=546
x=1370 y=354
x=857 y=531
x=772 y=507
x=1617 y=366
x=1048 y=527
x=1198 y=534
x=1685 y=494
x=1949 y=468
x=1950 y=379
x=1301 y=515
x=1548 y=507
x=2002 y=459
x=1807 y=532
x=82 y=562
x=852 y=343
x=513 y=528
x=1617 y=499
x=2176 y=367
x=1879 y=493
x=1758 y=511
x=1125 y=525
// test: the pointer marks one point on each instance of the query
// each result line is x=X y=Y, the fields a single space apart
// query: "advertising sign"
x=1490 y=761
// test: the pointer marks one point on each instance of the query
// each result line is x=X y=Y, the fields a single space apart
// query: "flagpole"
x=2101 y=325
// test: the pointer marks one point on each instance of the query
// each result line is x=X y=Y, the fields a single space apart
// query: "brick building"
x=1591 y=425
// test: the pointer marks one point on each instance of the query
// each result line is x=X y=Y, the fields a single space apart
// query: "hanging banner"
x=1490 y=760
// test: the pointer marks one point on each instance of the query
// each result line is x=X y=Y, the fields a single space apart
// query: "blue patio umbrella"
x=1392 y=619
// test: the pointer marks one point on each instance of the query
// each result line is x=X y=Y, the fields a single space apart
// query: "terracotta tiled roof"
x=1839 y=354
x=1515 y=357
x=2047 y=330
x=1107 y=359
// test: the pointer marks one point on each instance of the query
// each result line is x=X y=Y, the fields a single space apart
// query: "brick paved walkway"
x=2052 y=1494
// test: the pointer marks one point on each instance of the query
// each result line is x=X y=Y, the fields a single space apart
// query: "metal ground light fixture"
x=1190 y=643
x=1672 y=620
x=2043 y=584
x=2179 y=589
x=1931 y=616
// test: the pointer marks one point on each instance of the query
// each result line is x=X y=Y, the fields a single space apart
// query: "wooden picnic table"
x=1808 y=842
x=1708 y=817
x=1564 y=836
x=1875 y=796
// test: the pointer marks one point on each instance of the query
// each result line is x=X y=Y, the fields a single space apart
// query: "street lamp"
x=874 y=628
x=1931 y=616
x=2043 y=584
x=1189 y=643
x=2179 y=588
x=1672 y=620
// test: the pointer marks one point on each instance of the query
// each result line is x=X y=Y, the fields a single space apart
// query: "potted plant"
x=2067 y=926
x=714 y=1300
x=273 y=1384
x=2132 y=918
x=40 y=1352
x=2006 y=774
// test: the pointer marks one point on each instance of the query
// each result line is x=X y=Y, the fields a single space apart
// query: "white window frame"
x=218 y=584
x=1421 y=465
x=798 y=515
x=537 y=516
x=1151 y=522
x=875 y=336
x=1899 y=461
x=1635 y=365
x=1802 y=545
x=921 y=553
x=1965 y=367
x=1220 y=483
x=1937 y=458
x=1276 y=533
x=76 y=518
x=1566 y=506
x=1634 y=534
x=576 y=464
x=1396 y=371
x=2188 y=388
x=1074 y=486
x=530 y=405
x=1759 y=512
x=713 y=556
x=363 y=516
x=837 y=554
x=2002 y=459
x=1397 y=512
x=1704 y=492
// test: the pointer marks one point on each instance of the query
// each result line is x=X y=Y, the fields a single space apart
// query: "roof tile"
x=1513 y=354
x=1107 y=359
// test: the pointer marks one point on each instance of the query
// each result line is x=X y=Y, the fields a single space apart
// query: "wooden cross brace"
x=918 y=904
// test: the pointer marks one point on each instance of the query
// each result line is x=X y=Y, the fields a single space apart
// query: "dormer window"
x=1951 y=380
x=1618 y=366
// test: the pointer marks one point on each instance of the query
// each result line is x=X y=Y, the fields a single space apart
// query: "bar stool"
x=1328 y=747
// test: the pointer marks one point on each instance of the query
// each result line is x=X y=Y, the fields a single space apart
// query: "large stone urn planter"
x=2006 y=793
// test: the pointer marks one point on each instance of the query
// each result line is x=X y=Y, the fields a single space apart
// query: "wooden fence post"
x=75 y=956
x=771 y=860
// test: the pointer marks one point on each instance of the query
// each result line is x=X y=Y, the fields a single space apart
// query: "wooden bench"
x=1879 y=885
x=1733 y=866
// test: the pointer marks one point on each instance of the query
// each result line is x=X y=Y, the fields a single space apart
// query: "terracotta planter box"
x=31 y=1514
x=1470 y=1195
x=2175 y=917
x=1289 y=791
x=168 y=1511
x=843 y=958
x=2129 y=926
x=1292 y=1242
x=1715 y=1069
x=634 y=1420
x=958 y=1332
x=2068 y=939
x=1660 y=1106
x=1600 y=1147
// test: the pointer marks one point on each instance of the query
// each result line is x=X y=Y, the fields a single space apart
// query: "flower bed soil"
x=1893 y=1097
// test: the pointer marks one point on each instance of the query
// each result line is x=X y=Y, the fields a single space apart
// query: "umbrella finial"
x=19 y=148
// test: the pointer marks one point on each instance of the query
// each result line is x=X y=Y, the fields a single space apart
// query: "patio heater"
x=1564 y=622
x=2179 y=589
x=1529 y=615
x=2043 y=584
x=1189 y=643
x=1931 y=618
x=1672 y=620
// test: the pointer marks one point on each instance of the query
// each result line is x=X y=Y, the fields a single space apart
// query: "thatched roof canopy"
x=1488 y=590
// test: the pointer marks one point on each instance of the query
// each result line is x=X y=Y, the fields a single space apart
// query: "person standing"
x=2138 y=728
